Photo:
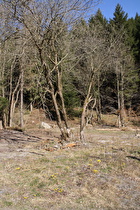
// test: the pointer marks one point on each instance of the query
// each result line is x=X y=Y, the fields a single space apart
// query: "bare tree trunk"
x=120 y=92
x=12 y=102
x=60 y=91
x=123 y=112
x=31 y=107
x=21 y=99
x=2 y=89
x=98 y=101
x=118 y=96
x=88 y=99
x=10 y=115
x=63 y=129
x=83 y=122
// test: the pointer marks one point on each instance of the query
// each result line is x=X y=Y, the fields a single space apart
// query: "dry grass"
x=102 y=174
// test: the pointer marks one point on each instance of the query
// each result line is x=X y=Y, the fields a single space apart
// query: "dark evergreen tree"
x=137 y=36
x=120 y=18
x=98 y=19
x=134 y=25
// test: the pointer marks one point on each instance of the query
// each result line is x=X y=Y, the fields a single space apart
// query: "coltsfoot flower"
x=18 y=168
x=53 y=176
x=95 y=171
x=58 y=190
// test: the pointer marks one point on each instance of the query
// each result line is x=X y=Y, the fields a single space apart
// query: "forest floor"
x=37 y=172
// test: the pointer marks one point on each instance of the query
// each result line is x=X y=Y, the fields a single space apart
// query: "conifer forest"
x=55 y=58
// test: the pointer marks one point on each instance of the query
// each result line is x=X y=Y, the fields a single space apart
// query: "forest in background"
x=53 y=58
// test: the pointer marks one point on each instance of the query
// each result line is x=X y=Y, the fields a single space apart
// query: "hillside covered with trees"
x=53 y=58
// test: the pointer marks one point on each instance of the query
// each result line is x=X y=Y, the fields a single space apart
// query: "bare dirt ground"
x=37 y=172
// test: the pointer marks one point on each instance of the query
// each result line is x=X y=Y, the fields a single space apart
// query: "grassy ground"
x=104 y=173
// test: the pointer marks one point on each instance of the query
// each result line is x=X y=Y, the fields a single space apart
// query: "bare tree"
x=46 y=24
x=122 y=63
x=93 y=57
x=12 y=53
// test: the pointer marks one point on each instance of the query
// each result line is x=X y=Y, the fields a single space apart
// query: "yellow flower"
x=25 y=197
x=60 y=190
x=53 y=176
x=123 y=164
x=18 y=168
x=98 y=161
x=95 y=171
